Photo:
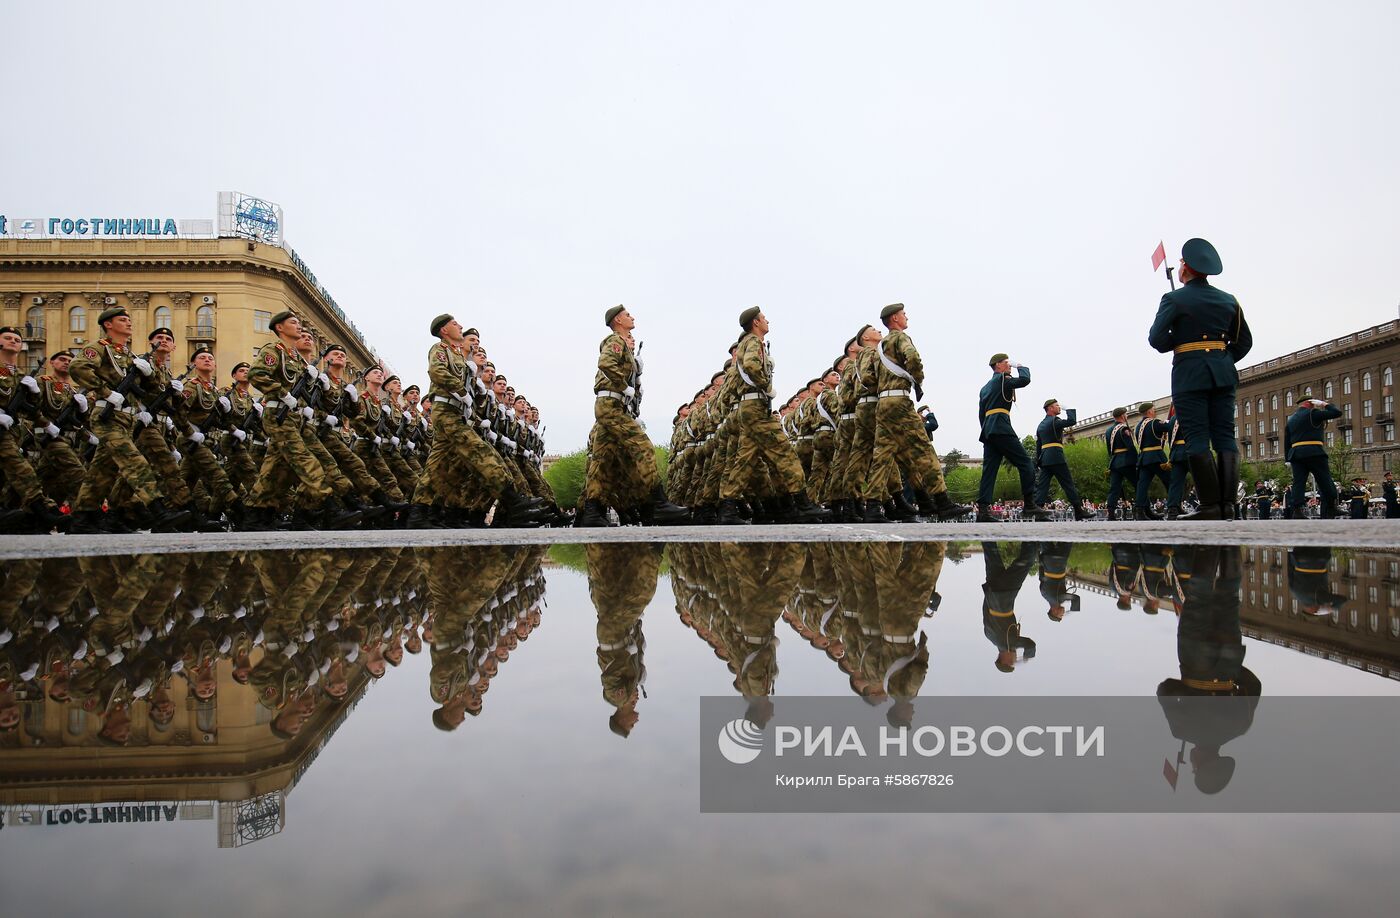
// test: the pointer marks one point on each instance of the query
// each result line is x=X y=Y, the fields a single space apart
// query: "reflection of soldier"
x=1053 y=566
x=621 y=582
x=1123 y=577
x=1213 y=702
x=1308 y=580
x=906 y=581
x=764 y=579
x=999 y=591
x=455 y=602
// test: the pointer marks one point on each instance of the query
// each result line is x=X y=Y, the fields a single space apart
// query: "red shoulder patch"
x=90 y=353
x=615 y=347
x=270 y=359
x=440 y=356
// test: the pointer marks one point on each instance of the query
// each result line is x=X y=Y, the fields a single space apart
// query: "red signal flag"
x=1159 y=256
x=1170 y=773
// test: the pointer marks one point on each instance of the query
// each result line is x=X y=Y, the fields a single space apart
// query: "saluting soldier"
x=999 y=440
x=1150 y=439
x=1122 y=459
x=1050 y=458
x=1305 y=448
x=1392 y=505
x=1204 y=328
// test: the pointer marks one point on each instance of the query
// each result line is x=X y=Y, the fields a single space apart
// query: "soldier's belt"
x=805 y=437
x=1311 y=570
x=1199 y=346
x=991 y=411
x=1178 y=443
x=102 y=403
x=892 y=393
x=900 y=638
x=1117 y=451
x=1052 y=446
x=864 y=399
x=608 y=647
x=849 y=417
x=754 y=639
x=604 y=393
x=1307 y=443
x=752 y=396
x=1210 y=685
x=825 y=427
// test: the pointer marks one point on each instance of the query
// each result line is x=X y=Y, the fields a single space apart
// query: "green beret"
x=439 y=322
x=890 y=310
x=391 y=379
x=747 y=316
x=996 y=359
x=1145 y=407
x=112 y=314
x=278 y=319
x=1049 y=402
x=612 y=314
x=1200 y=256
x=241 y=365
x=1119 y=412
x=159 y=331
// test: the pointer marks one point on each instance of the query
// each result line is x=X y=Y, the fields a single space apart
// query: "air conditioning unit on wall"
x=37 y=300
x=208 y=300
x=110 y=300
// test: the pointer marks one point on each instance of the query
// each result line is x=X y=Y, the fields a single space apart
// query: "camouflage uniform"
x=622 y=466
x=200 y=465
x=458 y=450
x=865 y=384
x=99 y=369
x=274 y=373
x=901 y=440
x=758 y=436
x=60 y=470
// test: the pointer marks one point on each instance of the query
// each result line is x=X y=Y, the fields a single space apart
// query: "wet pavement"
x=513 y=728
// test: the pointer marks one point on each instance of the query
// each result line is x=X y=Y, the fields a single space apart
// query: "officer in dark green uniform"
x=1050 y=457
x=1305 y=448
x=1358 y=498
x=1309 y=581
x=999 y=440
x=1122 y=459
x=999 y=622
x=1151 y=439
x=1204 y=328
x=1392 y=505
x=1264 y=499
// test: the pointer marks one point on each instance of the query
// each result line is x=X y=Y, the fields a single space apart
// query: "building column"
x=12 y=314
x=139 y=310
x=56 y=323
x=181 y=319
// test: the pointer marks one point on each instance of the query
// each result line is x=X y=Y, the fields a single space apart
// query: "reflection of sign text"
x=99 y=815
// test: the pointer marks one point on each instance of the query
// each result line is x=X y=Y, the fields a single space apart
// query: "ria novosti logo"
x=740 y=741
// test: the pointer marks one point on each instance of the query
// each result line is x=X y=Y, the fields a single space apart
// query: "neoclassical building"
x=217 y=292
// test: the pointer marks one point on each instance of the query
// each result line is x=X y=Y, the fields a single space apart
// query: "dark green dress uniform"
x=1122 y=463
x=1305 y=448
x=1358 y=498
x=1309 y=580
x=999 y=622
x=1264 y=500
x=1050 y=457
x=1053 y=569
x=1176 y=487
x=1151 y=436
x=1205 y=329
x=1392 y=504
x=999 y=440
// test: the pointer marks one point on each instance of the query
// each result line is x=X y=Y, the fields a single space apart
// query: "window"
x=1307 y=392
x=260 y=320
x=1387 y=378
x=1346 y=436
x=1288 y=398
x=77 y=319
x=1346 y=411
x=1248 y=408
x=1390 y=433
x=1346 y=385
x=1331 y=437
x=1276 y=447
x=34 y=322
x=1387 y=404
x=204 y=318
x=1327 y=390
x=163 y=317
x=1249 y=450
x=1365 y=407
x=1273 y=425
x=1273 y=402
x=1261 y=405
x=1261 y=427
x=1365 y=463
x=1366 y=381
x=1368 y=435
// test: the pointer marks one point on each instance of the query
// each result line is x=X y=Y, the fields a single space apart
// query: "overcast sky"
x=1003 y=169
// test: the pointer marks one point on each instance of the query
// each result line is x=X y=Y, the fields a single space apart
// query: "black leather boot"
x=1207 y=489
x=984 y=515
x=874 y=512
x=1228 y=473
x=162 y=518
x=420 y=517
x=518 y=511
x=1080 y=514
x=591 y=516
x=729 y=514
x=664 y=513
x=1032 y=511
x=86 y=522
x=802 y=510
x=334 y=515
x=904 y=512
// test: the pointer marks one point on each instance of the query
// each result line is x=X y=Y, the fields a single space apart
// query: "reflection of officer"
x=1214 y=699
x=1053 y=566
x=1308 y=580
x=1123 y=576
x=999 y=591
x=621 y=582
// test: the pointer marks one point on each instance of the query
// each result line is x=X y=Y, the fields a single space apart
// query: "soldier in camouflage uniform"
x=62 y=408
x=621 y=583
x=622 y=465
x=844 y=504
x=244 y=412
x=16 y=389
x=158 y=391
x=204 y=409
x=864 y=388
x=825 y=412
x=341 y=403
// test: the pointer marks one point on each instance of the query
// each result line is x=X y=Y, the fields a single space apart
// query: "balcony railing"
x=34 y=332
x=199 y=333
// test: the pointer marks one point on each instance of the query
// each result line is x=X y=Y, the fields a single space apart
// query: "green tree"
x=1341 y=460
x=952 y=460
x=566 y=475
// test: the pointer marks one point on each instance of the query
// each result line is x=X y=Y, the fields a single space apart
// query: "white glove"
x=257 y=406
x=312 y=372
x=225 y=404
x=238 y=434
x=52 y=431
x=629 y=391
x=144 y=417
x=92 y=439
x=30 y=383
x=493 y=435
x=325 y=383
x=289 y=400
x=394 y=441
x=116 y=399
x=377 y=441
x=332 y=420
x=143 y=365
x=484 y=424
x=308 y=412
x=178 y=386
x=175 y=453
x=197 y=437
x=169 y=422
x=6 y=422
x=81 y=399
x=353 y=393
x=411 y=447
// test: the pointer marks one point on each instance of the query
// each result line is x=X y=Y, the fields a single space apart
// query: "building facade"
x=1355 y=372
x=219 y=292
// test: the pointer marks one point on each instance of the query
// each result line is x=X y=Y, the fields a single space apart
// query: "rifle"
x=126 y=385
x=20 y=401
x=158 y=403
x=636 y=382
x=65 y=417
x=299 y=387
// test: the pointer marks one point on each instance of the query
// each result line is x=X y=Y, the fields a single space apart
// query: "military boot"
x=420 y=517
x=904 y=512
x=1033 y=511
x=729 y=514
x=705 y=515
x=855 y=511
x=1173 y=511
x=665 y=513
x=874 y=512
x=157 y=517
x=1207 y=489
x=808 y=511
x=984 y=515
x=334 y=515
x=517 y=511
x=592 y=516
x=1080 y=514
x=1228 y=474
x=946 y=509
x=86 y=522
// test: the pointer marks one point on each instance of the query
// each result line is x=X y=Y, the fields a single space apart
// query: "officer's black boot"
x=729 y=514
x=1228 y=472
x=1030 y=510
x=164 y=519
x=904 y=512
x=86 y=522
x=1173 y=511
x=334 y=515
x=804 y=511
x=984 y=515
x=518 y=511
x=874 y=512
x=665 y=513
x=420 y=517
x=591 y=516
x=705 y=515
x=1080 y=514
x=1207 y=488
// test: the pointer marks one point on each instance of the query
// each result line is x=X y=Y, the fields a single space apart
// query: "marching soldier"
x=1392 y=505
x=621 y=583
x=864 y=400
x=1050 y=457
x=244 y=414
x=1305 y=448
x=1264 y=499
x=825 y=410
x=1176 y=487
x=1205 y=330
x=622 y=465
x=1358 y=498
x=62 y=408
x=1053 y=568
x=20 y=390
x=204 y=411
x=999 y=440
x=1150 y=440
x=1122 y=459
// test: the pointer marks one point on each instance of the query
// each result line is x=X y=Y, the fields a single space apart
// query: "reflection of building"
x=215 y=292
x=1364 y=635
x=215 y=759
x=1355 y=372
